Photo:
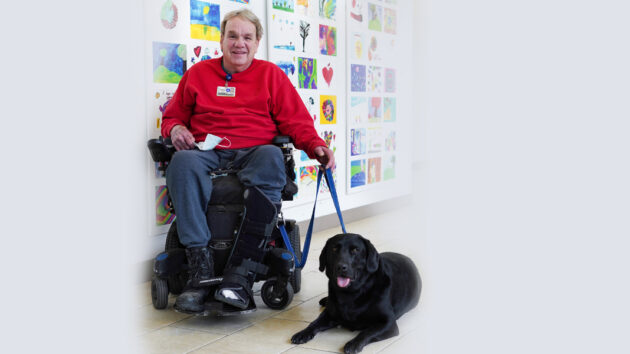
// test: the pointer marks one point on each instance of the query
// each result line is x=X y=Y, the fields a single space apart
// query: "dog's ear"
x=372 y=256
x=323 y=256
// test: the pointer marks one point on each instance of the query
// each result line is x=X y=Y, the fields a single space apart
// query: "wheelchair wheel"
x=159 y=293
x=276 y=302
x=296 y=278
x=176 y=282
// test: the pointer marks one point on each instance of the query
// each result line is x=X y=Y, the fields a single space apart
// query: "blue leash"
x=307 y=243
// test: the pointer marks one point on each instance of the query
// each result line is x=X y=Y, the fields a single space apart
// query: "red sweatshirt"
x=266 y=105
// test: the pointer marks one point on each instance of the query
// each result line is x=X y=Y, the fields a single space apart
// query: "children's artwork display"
x=371 y=95
x=307 y=41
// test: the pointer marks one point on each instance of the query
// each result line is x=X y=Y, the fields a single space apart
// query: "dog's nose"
x=342 y=267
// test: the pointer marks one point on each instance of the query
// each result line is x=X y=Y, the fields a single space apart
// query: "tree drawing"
x=304 y=28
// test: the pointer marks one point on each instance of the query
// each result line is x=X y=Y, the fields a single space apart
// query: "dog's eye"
x=335 y=249
x=354 y=250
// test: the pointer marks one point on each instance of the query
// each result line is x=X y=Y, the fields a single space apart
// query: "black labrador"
x=367 y=291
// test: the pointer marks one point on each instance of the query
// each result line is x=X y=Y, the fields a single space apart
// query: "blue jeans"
x=190 y=185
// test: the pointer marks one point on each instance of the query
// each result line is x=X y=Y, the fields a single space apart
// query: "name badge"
x=225 y=91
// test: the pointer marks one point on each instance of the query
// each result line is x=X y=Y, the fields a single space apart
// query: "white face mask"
x=213 y=141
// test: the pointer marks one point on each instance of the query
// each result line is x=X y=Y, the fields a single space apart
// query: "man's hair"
x=245 y=14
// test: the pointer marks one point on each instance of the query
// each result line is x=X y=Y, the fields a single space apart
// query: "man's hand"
x=325 y=156
x=182 y=138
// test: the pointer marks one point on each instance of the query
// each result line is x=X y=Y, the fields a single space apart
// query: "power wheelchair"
x=225 y=213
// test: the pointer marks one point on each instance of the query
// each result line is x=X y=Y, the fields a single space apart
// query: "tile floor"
x=269 y=331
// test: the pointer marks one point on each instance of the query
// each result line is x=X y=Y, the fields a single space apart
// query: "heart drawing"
x=197 y=51
x=328 y=74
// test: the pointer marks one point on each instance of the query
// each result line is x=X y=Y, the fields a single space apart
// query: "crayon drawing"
x=356 y=10
x=375 y=110
x=390 y=141
x=306 y=7
x=389 y=109
x=390 y=80
x=284 y=31
x=163 y=215
x=357 y=141
x=357 y=78
x=284 y=5
x=389 y=168
x=205 y=21
x=357 y=173
x=327 y=9
x=169 y=15
x=311 y=103
x=330 y=139
x=204 y=51
x=358 y=110
x=375 y=140
x=327 y=40
x=374 y=79
x=357 y=48
x=328 y=106
x=169 y=62
x=374 y=170
x=375 y=17
x=389 y=21
x=307 y=73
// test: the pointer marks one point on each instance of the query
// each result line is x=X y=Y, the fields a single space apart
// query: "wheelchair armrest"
x=161 y=149
x=281 y=140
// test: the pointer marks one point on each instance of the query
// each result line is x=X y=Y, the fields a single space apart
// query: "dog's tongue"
x=343 y=282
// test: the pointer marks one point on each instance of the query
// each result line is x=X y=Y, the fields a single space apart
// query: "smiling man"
x=226 y=111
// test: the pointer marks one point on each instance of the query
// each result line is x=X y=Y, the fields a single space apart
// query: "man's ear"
x=323 y=256
x=372 y=256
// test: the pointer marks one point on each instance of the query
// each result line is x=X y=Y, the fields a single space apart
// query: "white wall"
x=527 y=175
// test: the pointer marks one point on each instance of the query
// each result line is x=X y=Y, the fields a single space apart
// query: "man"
x=243 y=102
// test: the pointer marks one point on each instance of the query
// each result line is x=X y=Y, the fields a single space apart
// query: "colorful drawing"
x=284 y=29
x=308 y=175
x=374 y=170
x=241 y=1
x=327 y=112
x=327 y=9
x=357 y=141
x=327 y=40
x=327 y=72
x=287 y=67
x=390 y=80
x=304 y=156
x=357 y=173
x=284 y=5
x=389 y=168
x=357 y=78
x=204 y=51
x=374 y=79
x=389 y=109
x=358 y=110
x=169 y=15
x=373 y=52
x=307 y=73
x=358 y=46
x=375 y=139
x=163 y=215
x=375 y=17
x=356 y=10
x=390 y=141
x=205 y=21
x=389 y=21
x=306 y=7
x=169 y=62
x=375 y=110
x=329 y=138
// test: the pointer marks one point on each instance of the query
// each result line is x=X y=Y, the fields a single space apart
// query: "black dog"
x=367 y=291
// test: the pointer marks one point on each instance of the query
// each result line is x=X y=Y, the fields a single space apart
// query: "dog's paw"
x=302 y=337
x=353 y=347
